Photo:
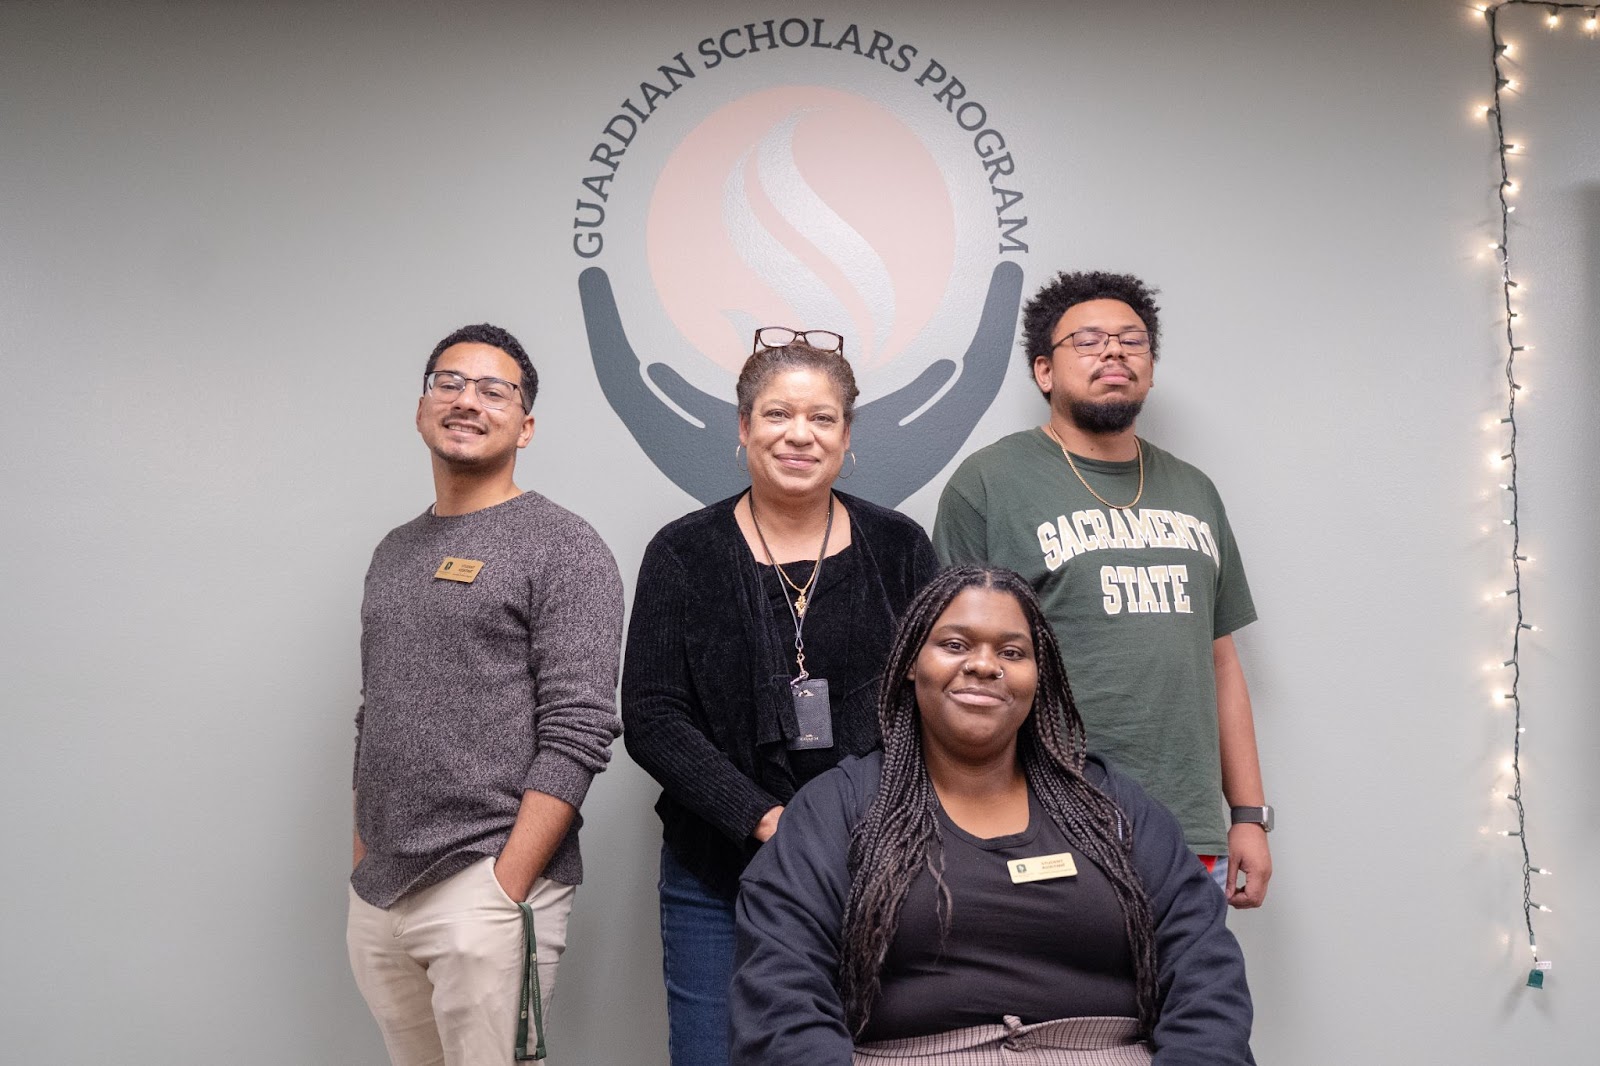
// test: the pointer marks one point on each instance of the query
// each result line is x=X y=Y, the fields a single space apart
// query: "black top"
x=832 y=645
x=1040 y=950
x=784 y=1003
x=706 y=707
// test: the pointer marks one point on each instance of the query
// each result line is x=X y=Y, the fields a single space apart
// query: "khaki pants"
x=441 y=970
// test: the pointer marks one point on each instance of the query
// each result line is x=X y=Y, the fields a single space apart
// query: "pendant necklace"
x=803 y=600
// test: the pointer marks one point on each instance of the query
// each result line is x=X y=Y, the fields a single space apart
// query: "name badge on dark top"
x=813 y=714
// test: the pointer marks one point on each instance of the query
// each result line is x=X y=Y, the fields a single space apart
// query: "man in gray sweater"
x=491 y=629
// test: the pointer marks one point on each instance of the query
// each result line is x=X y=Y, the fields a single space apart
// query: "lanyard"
x=797 y=616
x=530 y=991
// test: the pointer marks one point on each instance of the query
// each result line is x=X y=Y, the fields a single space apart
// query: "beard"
x=1104 y=416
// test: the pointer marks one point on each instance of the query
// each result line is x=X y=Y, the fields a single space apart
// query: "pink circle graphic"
x=801 y=206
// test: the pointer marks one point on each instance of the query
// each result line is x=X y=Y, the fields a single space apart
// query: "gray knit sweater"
x=472 y=693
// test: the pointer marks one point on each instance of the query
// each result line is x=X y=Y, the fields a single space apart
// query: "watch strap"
x=1264 y=816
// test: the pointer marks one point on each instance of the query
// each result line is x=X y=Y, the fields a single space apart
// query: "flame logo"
x=815 y=208
x=803 y=206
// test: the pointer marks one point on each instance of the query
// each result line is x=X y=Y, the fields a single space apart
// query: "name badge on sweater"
x=462 y=570
x=813 y=715
x=1042 y=868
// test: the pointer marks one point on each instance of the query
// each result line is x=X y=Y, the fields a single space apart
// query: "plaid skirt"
x=1063 y=1042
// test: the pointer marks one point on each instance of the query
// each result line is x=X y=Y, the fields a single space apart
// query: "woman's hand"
x=768 y=825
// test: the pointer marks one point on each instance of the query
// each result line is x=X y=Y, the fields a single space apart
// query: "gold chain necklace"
x=801 y=601
x=1138 y=449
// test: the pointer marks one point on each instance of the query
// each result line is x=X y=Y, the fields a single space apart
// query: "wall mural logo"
x=773 y=178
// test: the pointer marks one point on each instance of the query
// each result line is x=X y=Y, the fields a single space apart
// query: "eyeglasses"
x=823 y=340
x=445 y=385
x=1094 y=341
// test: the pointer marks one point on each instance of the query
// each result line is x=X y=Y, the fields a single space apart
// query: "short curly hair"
x=494 y=337
x=1040 y=314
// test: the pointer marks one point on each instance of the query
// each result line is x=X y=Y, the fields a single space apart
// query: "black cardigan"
x=704 y=706
x=785 y=1005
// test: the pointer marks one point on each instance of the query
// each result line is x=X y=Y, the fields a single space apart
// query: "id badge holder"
x=813 y=714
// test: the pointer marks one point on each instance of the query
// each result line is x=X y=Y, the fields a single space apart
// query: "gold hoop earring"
x=852 y=473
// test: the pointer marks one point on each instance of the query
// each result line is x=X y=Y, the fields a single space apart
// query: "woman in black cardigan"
x=759 y=627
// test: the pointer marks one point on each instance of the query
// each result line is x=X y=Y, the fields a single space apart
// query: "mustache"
x=1120 y=367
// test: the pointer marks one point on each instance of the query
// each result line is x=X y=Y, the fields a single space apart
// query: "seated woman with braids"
x=980 y=883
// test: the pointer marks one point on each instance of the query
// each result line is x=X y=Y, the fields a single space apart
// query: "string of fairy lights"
x=1586 y=15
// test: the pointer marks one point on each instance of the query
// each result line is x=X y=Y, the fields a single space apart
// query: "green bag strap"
x=530 y=990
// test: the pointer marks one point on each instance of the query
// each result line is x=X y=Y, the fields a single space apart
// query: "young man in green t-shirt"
x=1130 y=550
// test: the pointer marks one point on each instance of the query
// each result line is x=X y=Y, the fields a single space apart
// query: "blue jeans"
x=697 y=962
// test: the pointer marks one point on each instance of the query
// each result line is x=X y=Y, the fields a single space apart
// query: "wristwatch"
x=1261 y=816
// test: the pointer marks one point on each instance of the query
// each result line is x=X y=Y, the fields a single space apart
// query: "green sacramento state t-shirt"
x=1136 y=598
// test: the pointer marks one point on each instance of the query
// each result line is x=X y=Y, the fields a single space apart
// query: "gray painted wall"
x=230 y=233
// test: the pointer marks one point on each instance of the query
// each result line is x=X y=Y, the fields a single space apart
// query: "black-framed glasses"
x=1094 y=341
x=823 y=340
x=446 y=385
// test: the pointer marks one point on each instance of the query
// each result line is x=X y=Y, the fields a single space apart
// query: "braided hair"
x=899 y=836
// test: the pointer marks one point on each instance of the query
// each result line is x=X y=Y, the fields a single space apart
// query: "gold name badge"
x=1042 y=868
x=462 y=570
